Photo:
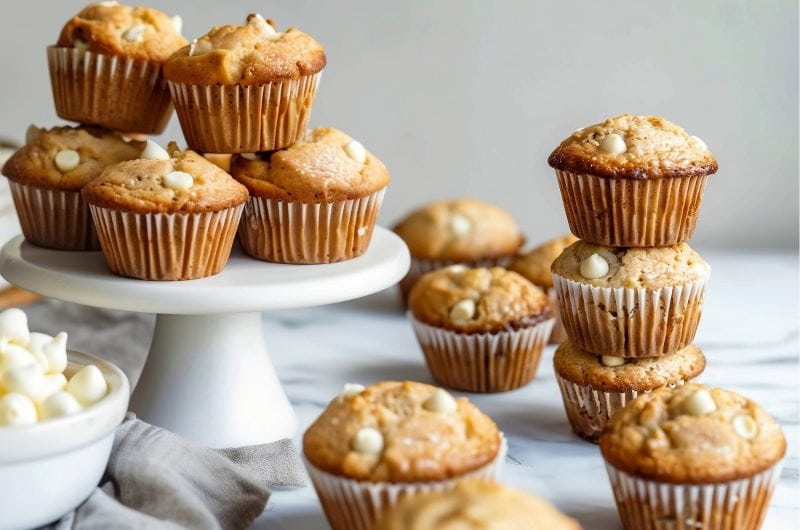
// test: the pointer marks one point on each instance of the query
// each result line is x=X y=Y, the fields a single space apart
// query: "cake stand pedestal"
x=208 y=376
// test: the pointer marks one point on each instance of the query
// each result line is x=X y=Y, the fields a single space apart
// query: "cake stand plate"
x=208 y=376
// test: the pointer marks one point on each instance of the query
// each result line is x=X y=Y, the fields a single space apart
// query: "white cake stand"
x=208 y=376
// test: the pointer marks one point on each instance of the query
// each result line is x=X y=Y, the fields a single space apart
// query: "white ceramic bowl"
x=49 y=468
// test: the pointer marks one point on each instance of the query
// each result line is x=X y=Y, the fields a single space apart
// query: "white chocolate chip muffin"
x=633 y=181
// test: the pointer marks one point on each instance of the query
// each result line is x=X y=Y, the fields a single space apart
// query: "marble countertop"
x=749 y=334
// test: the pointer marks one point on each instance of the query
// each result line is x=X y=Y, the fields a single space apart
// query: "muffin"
x=632 y=181
x=46 y=177
x=166 y=216
x=243 y=89
x=693 y=457
x=314 y=202
x=481 y=330
x=372 y=447
x=535 y=265
x=105 y=68
x=468 y=231
x=476 y=505
x=630 y=302
x=594 y=387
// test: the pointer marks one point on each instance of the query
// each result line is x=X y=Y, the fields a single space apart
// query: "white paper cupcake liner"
x=559 y=334
x=735 y=505
x=161 y=246
x=420 y=267
x=56 y=219
x=355 y=505
x=244 y=119
x=627 y=322
x=295 y=232
x=128 y=95
x=483 y=362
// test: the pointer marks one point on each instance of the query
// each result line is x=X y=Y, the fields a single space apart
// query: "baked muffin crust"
x=501 y=299
x=641 y=374
x=649 y=268
x=35 y=162
x=535 y=264
x=655 y=148
x=111 y=28
x=249 y=54
x=418 y=444
x=314 y=170
x=656 y=437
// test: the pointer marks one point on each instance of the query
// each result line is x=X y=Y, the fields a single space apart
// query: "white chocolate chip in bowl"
x=594 y=267
x=153 y=151
x=14 y=327
x=134 y=34
x=440 y=402
x=611 y=361
x=355 y=151
x=460 y=225
x=17 y=409
x=178 y=180
x=88 y=385
x=368 y=441
x=59 y=404
x=66 y=160
x=745 y=426
x=613 y=144
x=700 y=403
x=463 y=310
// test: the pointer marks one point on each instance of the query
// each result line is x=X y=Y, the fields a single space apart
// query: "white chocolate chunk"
x=134 y=34
x=32 y=133
x=153 y=151
x=13 y=356
x=27 y=380
x=460 y=225
x=700 y=143
x=58 y=405
x=350 y=390
x=52 y=383
x=14 y=327
x=88 y=385
x=594 y=267
x=66 y=160
x=458 y=268
x=199 y=47
x=612 y=361
x=368 y=441
x=263 y=26
x=109 y=3
x=81 y=46
x=700 y=403
x=177 y=23
x=745 y=426
x=356 y=151
x=249 y=156
x=613 y=144
x=440 y=402
x=178 y=180
x=133 y=137
x=463 y=310
x=36 y=347
x=55 y=352
x=17 y=409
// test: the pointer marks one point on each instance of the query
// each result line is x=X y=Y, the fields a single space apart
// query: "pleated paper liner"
x=627 y=322
x=244 y=119
x=355 y=505
x=419 y=267
x=734 y=505
x=128 y=95
x=559 y=334
x=294 y=232
x=57 y=219
x=161 y=246
x=483 y=362
x=630 y=212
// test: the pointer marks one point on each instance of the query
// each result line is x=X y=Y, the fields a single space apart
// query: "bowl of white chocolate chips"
x=58 y=413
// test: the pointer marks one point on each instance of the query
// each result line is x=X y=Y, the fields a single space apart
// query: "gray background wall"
x=468 y=98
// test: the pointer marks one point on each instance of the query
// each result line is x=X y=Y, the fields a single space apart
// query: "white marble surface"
x=749 y=333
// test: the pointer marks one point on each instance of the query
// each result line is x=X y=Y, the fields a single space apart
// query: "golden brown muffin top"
x=615 y=374
x=67 y=158
x=692 y=434
x=183 y=183
x=250 y=54
x=400 y=432
x=475 y=505
x=111 y=28
x=535 y=264
x=477 y=300
x=633 y=268
x=460 y=230
x=326 y=166
x=634 y=147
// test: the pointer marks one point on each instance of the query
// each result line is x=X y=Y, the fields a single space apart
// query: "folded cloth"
x=157 y=480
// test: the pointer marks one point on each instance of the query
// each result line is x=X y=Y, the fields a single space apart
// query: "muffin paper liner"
x=559 y=334
x=627 y=322
x=56 y=219
x=420 y=267
x=355 y=505
x=735 y=505
x=122 y=94
x=630 y=212
x=483 y=362
x=244 y=119
x=161 y=246
x=300 y=233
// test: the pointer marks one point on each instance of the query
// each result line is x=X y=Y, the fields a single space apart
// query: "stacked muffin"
x=631 y=291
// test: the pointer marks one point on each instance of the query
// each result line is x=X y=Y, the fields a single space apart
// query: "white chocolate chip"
x=81 y=46
x=745 y=426
x=32 y=134
x=88 y=385
x=13 y=327
x=262 y=25
x=700 y=403
x=700 y=143
x=368 y=441
x=460 y=225
x=109 y=3
x=27 y=380
x=463 y=310
x=59 y=404
x=613 y=144
x=17 y=409
x=177 y=23
x=440 y=402
x=458 y=268
x=55 y=353
x=153 y=151
x=133 y=137
x=66 y=160
x=178 y=180
x=13 y=356
x=594 y=267
x=356 y=151
x=51 y=384
x=199 y=47
x=134 y=34
x=249 y=156
x=350 y=390
x=612 y=361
